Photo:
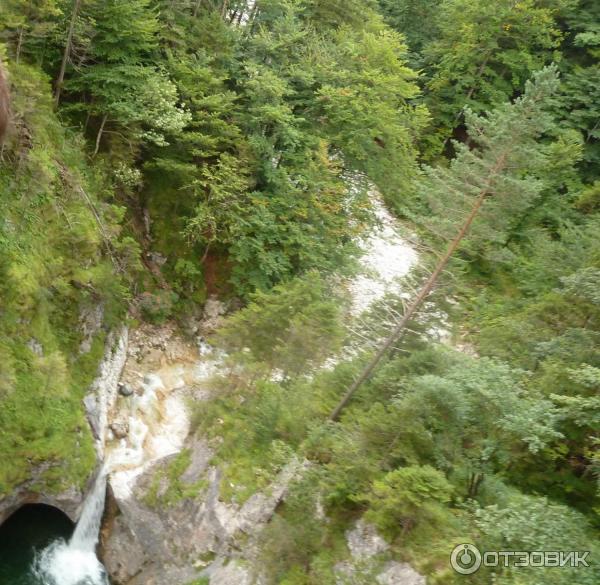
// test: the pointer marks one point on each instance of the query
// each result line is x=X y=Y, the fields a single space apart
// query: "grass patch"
x=167 y=487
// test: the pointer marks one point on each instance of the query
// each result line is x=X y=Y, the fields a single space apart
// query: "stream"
x=157 y=423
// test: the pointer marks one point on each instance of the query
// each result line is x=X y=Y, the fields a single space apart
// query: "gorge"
x=298 y=292
x=163 y=368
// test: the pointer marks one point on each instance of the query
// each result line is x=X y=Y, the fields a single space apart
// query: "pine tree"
x=28 y=21
x=497 y=167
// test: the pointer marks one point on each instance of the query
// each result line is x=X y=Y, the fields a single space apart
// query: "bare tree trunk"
x=474 y=483
x=197 y=8
x=251 y=19
x=4 y=105
x=224 y=8
x=99 y=136
x=241 y=14
x=67 y=52
x=423 y=294
x=205 y=255
x=19 y=44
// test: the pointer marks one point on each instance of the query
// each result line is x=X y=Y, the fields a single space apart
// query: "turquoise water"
x=27 y=531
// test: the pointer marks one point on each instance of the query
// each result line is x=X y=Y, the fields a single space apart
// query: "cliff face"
x=101 y=395
x=196 y=535
x=60 y=294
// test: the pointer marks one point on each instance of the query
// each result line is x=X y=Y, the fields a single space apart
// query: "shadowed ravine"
x=26 y=533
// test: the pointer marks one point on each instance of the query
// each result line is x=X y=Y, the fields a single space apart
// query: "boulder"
x=125 y=389
x=120 y=428
x=364 y=541
x=395 y=573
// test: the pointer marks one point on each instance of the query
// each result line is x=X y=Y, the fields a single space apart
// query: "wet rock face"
x=103 y=391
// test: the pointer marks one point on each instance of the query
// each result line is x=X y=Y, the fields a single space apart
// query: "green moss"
x=170 y=476
x=52 y=266
x=200 y=581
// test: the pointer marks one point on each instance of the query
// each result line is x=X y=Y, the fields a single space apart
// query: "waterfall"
x=75 y=562
x=85 y=537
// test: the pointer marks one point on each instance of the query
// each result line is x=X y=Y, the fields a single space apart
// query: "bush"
x=406 y=496
x=158 y=307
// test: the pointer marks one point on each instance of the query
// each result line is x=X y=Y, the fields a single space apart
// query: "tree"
x=534 y=523
x=67 y=51
x=480 y=417
x=406 y=496
x=496 y=169
x=29 y=20
x=122 y=87
x=137 y=97
x=483 y=54
x=416 y=20
x=364 y=106
x=293 y=327
x=577 y=106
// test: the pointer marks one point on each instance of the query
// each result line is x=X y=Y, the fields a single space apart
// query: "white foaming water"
x=75 y=562
x=387 y=257
x=61 y=564
x=158 y=425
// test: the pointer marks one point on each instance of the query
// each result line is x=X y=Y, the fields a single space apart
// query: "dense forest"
x=163 y=151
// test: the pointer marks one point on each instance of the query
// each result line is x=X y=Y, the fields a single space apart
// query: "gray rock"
x=68 y=501
x=175 y=538
x=395 y=573
x=366 y=546
x=364 y=541
x=36 y=347
x=90 y=322
x=92 y=408
x=157 y=258
x=212 y=317
x=125 y=389
x=130 y=558
x=120 y=428
x=201 y=456
x=232 y=573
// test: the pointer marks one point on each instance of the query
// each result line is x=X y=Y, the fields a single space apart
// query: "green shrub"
x=158 y=307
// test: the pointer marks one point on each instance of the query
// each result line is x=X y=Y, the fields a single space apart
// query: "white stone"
x=364 y=541
x=395 y=573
